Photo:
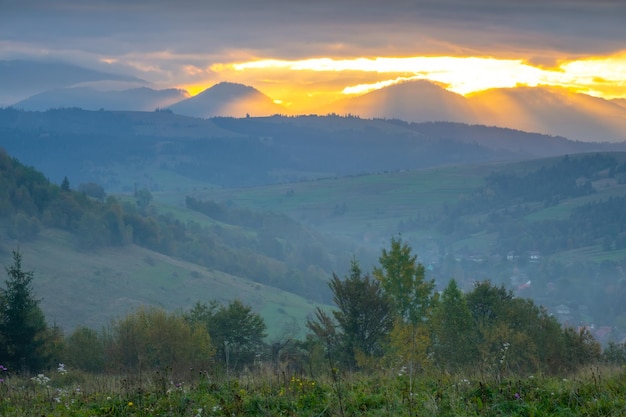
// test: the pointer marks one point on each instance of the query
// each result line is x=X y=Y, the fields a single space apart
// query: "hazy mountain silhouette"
x=227 y=99
x=90 y=146
x=552 y=110
x=414 y=101
x=20 y=79
x=138 y=99
x=620 y=102
x=549 y=110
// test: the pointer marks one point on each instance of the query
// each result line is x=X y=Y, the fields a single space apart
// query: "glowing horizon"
x=295 y=82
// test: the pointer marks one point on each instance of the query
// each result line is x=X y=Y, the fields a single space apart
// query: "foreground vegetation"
x=390 y=347
x=265 y=392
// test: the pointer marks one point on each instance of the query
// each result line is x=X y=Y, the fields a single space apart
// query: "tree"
x=514 y=334
x=364 y=315
x=65 y=185
x=236 y=332
x=22 y=323
x=143 y=198
x=402 y=278
x=454 y=330
x=85 y=350
x=151 y=338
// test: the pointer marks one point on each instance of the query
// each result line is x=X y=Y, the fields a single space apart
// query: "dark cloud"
x=164 y=35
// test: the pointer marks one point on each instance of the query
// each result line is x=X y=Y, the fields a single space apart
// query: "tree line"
x=230 y=335
x=396 y=319
x=392 y=319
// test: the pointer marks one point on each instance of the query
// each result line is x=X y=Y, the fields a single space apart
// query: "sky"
x=303 y=54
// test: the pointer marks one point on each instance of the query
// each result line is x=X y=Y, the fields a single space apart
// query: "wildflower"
x=3 y=368
x=41 y=379
x=61 y=369
x=517 y=396
x=130 y=403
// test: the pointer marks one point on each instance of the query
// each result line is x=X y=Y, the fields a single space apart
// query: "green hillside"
x=89 y=288
x=95 y=259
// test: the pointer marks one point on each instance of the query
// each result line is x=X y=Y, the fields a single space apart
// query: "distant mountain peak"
x=227 y=99
x=228 y=90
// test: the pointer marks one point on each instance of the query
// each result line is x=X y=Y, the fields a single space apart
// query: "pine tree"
x=22 y=323
x=65 y=185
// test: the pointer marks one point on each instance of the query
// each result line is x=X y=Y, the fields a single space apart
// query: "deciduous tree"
x=364 y=314
x=236 y=331
x=403 y=280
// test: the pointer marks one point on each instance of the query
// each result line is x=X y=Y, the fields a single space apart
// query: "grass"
x=373 y=203
x=90 y=288
x=263 y=392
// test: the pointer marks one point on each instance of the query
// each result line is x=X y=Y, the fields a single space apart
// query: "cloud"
x=185 y=42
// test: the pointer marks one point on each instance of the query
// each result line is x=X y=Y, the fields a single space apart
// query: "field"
x=90 y=288
x=368 y=209
x=263 y=392
x=356 y=205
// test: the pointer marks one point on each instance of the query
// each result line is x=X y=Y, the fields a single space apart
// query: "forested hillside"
x=264 y=248
x=163 y=151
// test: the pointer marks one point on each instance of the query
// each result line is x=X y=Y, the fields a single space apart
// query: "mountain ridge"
x=550 y=110
x=250 y=151
x=88 y=98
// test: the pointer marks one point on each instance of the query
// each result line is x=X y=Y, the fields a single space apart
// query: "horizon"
x=307 y=55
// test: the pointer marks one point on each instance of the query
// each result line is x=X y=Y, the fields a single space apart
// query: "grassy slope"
x=91 y=288
x=374 y=204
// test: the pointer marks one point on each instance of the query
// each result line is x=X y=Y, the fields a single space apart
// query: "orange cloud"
x=307 y=84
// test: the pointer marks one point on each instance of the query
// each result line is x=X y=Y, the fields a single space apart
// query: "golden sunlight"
x=309 y=82
x=195 y=89
x=462 y=75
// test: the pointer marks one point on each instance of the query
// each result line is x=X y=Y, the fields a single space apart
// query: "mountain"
x=163 y=150
x=620 y=102
x=548 y=110
x=20 y=79
x=552 y=110
x=87 y=98
x=227 y=99
x=413 y=101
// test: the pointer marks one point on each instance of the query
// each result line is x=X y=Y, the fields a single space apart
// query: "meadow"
x=596 y=391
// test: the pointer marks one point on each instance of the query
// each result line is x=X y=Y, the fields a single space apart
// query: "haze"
x=306 y=55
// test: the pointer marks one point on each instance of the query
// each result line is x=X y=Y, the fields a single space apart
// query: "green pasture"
x=90 y=288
